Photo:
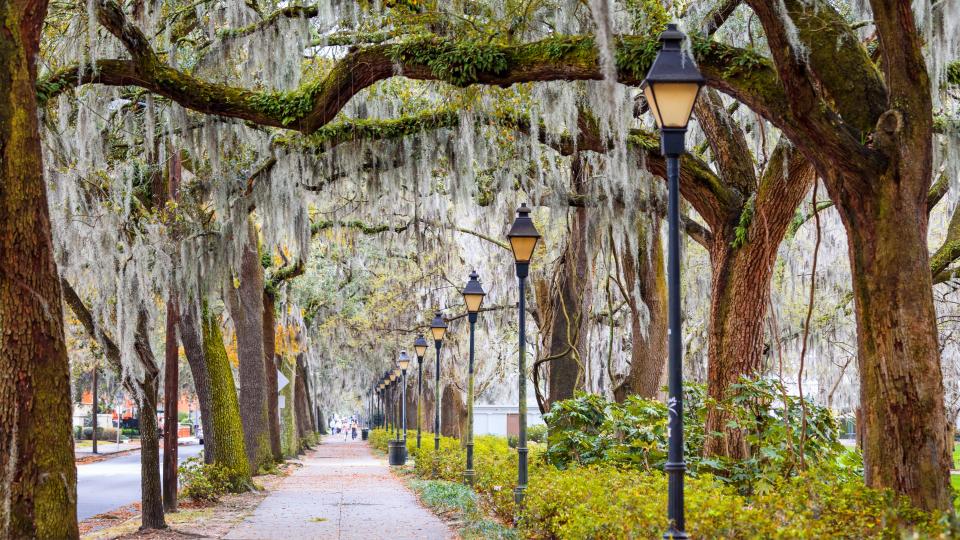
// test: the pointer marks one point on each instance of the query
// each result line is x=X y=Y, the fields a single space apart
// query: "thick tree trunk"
x=270 y=371
x=93 y=423
x=906 y=444
x=453 y=413
x=246 y=310
x=171 y=391
x=570 y=302
x=301 y=402
x=151 y=499
x=289 y=434
x=230 y=452
x=38 y=490
x=647 y=271
x=740 y=289
x=192 y=340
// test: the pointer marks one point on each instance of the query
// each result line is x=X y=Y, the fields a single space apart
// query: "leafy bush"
x=589 y=430
x=607 y=502
x=103 y=433
x=202 y=481
x=445 y=497
x=537 y=433
x=495 y=464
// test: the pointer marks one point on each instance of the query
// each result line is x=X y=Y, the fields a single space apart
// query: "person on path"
x=353 y=431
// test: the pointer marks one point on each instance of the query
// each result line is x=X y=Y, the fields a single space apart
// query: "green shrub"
x=588 y=430
x=202 y=481
x=445 y=496
x=103 y=433
x=537 y=433
x=607 y=502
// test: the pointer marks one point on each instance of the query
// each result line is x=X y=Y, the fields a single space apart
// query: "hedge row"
x=604 y=501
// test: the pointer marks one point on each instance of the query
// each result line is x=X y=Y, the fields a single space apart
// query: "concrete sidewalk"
x=341 y=492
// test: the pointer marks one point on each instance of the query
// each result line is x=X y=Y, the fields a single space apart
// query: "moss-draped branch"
x=742 y=73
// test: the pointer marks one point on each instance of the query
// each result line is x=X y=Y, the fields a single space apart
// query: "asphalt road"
x=115 y=482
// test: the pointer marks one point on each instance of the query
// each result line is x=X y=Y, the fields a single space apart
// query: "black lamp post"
x=380 y=404
x=403 y=362
x=394 y=375
x=671 y=88
x=473 y=296
x=523 y=237
x=387 y=402
x=438 y=328
x=420 y=346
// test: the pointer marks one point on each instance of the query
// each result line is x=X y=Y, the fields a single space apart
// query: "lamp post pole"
x=403 y=362
x=523 y=237
x=403 y=406
x=473 y=297
x=436 y=390
x=522 y=272
x=671 y=87
x=419 y=395
x=438 y=328
x=396 y=410
x=675 y=466
x=469 y=473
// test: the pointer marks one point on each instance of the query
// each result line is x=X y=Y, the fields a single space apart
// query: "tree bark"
x=300 y=402
x=151 y=498
x=38 y=489
x=453 y=412
x=290 y=438
x=228 y=429
x=740 y=289
x=246 y=310
x=568 y=319
x=270 y=370
x=906 y=435
x=192 y=340
x=93 y=423
x=171 y=393
x=647 y=271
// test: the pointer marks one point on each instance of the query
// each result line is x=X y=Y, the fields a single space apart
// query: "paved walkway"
x=341 y=492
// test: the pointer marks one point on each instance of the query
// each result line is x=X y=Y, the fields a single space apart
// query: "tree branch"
x=903 y=65
x=305 y=12
x=82 y=313
x=727 y=142
x=813 y=124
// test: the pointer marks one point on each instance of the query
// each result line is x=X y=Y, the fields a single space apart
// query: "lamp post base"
x=468 y=477
x=518 y=493
x=674 y=534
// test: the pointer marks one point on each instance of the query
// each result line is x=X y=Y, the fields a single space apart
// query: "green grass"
x=452 y=498
x=956 y=455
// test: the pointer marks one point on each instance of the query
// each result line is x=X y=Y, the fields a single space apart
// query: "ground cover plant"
x=599 y=475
